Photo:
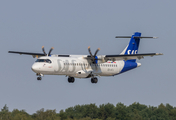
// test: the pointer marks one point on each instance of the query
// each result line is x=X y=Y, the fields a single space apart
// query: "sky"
x=70 y=26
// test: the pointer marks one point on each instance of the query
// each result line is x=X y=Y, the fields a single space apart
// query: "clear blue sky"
x=70 y=26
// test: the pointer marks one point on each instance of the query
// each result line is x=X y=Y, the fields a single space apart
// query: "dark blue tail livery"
x=133 y=44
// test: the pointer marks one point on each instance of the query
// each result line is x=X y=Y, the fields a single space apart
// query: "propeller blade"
x=90 y=52
x=96 y=52
x=44 y=50
x=50 y=51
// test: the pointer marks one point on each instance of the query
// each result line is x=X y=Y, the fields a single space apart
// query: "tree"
x=105 y=111
x=161 y=113
x=121 y=112
x=5 y=109
x=137 y=106
x=62 y=115
x=5 y=114
x=20 y=115
x=45 y=115
x=90 y=111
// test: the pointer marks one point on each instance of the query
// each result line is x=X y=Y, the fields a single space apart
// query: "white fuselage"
x=77 y=67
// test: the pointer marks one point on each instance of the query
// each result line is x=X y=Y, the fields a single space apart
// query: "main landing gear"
x=71 y=79
x=94 y=80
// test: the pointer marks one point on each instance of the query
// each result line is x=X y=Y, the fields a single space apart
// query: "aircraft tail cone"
x=138 y=64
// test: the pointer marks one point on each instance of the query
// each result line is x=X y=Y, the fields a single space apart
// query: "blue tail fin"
x=133 y=45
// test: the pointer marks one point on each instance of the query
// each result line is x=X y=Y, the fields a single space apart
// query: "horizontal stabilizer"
x=123 y=37
x=145 y=37
x=134 y=37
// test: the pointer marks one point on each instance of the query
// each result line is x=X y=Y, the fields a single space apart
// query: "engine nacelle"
x=100 y=59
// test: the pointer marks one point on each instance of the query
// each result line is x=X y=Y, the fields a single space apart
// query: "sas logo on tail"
x=133 y=52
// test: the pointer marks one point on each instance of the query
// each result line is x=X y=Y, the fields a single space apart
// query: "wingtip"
x=159 y=53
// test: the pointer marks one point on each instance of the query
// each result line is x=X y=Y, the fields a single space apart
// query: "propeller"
x=49 y=53
x=44 y=50
x=93 y=57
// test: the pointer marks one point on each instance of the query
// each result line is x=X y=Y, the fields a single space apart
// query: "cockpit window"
x=43 y=60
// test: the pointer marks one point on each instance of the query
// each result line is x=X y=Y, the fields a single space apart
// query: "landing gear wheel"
x=94 y=80
x=39 y=78
x=71 y=79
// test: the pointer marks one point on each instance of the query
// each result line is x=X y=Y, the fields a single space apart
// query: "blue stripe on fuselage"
x=128 y=65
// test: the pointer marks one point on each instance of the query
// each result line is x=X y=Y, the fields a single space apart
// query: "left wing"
x=34 y=54
x=28 y=53
x=129 y=57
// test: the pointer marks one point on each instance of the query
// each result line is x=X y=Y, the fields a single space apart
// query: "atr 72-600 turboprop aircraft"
x=89 y=66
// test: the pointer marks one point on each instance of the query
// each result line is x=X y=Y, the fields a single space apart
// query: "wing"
x=28 y=53
x=129 y=57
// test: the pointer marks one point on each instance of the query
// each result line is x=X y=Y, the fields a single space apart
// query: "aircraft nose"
x=34 y=67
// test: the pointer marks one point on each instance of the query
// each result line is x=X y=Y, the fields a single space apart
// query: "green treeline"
x=108 y=111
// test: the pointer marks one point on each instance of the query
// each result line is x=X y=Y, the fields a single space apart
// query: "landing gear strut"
x=94 y=80
x=71 y=79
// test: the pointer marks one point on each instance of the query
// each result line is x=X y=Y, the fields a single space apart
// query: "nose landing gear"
x=39 y=74
x=39 y=78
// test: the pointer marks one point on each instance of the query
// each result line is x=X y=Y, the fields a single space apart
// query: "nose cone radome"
x=35 y=68
x=138 y=64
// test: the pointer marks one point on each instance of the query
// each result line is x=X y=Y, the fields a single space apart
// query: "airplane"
x=89 y=66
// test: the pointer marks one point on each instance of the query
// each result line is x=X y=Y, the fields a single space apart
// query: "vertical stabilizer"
x=133 y=44
x=132 y=47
